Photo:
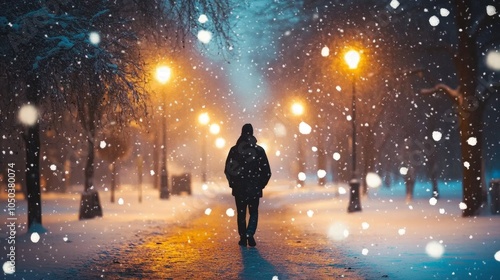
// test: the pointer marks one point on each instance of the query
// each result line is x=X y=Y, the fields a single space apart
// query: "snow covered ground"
x=419 y=240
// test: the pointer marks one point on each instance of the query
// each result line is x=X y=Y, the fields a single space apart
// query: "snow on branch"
x=454 y=94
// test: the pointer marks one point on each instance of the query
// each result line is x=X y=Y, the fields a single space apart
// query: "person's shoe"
x=242 y=242
x=251 y=241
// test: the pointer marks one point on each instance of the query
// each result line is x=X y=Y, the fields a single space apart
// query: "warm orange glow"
x=352 y=59
x=203 y=118
x=297 y=109
x=163 y=74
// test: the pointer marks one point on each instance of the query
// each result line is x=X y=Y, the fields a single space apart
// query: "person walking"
x=247 y=170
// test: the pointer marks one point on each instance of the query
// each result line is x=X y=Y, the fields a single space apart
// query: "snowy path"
x=206 y=248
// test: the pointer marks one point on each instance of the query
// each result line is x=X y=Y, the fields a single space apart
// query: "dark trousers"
x=253 y=208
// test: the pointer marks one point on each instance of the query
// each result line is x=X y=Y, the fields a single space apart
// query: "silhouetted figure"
x=247 y=171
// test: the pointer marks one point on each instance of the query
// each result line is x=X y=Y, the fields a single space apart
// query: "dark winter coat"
x=247 y=168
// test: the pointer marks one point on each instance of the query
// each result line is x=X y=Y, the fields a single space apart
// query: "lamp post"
x=203 y=119
x=163 y=74
x=298 y=110
x=352 y=59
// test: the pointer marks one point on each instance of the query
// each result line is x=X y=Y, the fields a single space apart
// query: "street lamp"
x=163 y=74
x=298 y=110
x=352 y=59
x=203 y=119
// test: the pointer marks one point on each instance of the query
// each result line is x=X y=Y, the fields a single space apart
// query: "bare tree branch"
x=454 y=94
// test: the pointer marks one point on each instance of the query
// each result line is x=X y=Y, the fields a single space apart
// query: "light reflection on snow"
x=434 y=249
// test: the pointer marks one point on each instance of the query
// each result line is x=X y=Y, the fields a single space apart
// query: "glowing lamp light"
x=203 y=118
x=214 y=128
x=297 y=109
x=28 y=115
x=163 y=74
x=220 y=142
x=352 y=59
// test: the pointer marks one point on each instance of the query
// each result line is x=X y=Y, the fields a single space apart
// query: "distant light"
x=325 y=51
x=230 y=212
x=433 y=201
x=214 y=128
x=352 y=59
x=297 y=109
x=302 y=176
x=35 y=237
x=203 y=118
x=434 y=249
x=264 y=146
x=8 y=267
x=403 y=170
x=365 y=225
x=94 y=38
x=163 y=74
x=436 y=135
x=53 y=167
x=493 y=60
x=220 y=142
x=394 y=4
x=304 y=128
x=208 y=211
x=472 y=141
x=203 y=18
x=491 y=10
x=310 y=213
x=444 y=12
x=102 y=144
x=28 y=115
x=434 y=21
x=402 y=231
x=321 y=173
x=364 y=252
x=497 y=256
x=120 y=201
x=204 y=36
x=336 y=156
x=462 y=206
x=373 y=180
x=338 y=232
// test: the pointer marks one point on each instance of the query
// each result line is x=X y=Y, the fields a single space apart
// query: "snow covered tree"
x=84 y=56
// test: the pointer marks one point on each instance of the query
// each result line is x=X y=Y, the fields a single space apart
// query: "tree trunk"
x=32 y=144
x=89 y=166
x=470 y=111
x=32 y=141
x=470 y=131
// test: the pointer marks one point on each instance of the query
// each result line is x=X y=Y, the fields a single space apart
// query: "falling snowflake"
x=321 y=173
x=434 y=21
x=336 y=156
x=433 y=201
x=402 y=231
x=230 y=212
x=204 y=36
x=444 y=12
x=94 y=38
x=120 y=201
x=394 y=4
x=365 y=225
x=364 y=252
x=53 y=167
x=310 y=213
x=491 y=10
x=436 y=135
x=462 y=206
x=325 y=51
x=208 y=211
x=472 y=141
x=373 y=180
x=203 y=18
x=8 y=267
x=28 y=115
x=35 y=237
x=434 y=249
x=497 y=256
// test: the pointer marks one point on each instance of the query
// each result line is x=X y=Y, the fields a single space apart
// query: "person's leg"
x=253 y=209
x=241 y=214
